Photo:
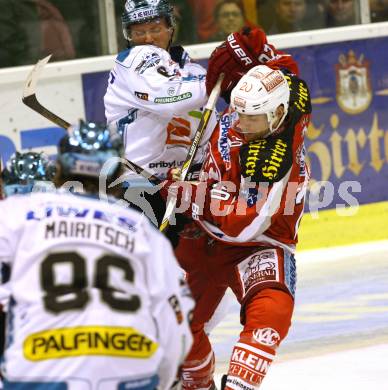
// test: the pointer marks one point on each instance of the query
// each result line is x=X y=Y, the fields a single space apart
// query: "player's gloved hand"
x=173 y=231
x=175 y=189
x=192 y=174
x=194 y=171
x=179 y=55
x=239 y=53
x=173 y=174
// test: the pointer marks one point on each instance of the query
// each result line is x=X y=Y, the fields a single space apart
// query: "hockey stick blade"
x=29 y=95
x=215 y=93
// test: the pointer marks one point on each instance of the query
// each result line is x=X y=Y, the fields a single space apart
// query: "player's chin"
x=254 y=136
x=250 y=137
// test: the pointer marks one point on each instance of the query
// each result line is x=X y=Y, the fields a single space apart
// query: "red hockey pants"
x=263 y=280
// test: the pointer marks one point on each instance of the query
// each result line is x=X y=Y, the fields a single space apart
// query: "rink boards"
x=347 y=141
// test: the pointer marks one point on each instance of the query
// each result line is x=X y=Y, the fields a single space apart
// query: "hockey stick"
x=215 y=93
x=2 y=196
x=141 y=171
x=29 y=99
x=29 y=96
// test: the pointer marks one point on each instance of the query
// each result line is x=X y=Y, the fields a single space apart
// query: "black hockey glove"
x=173 y=231
x=194 y=171
x=179 y=55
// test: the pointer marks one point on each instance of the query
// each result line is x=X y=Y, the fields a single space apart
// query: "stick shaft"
x=209 y=108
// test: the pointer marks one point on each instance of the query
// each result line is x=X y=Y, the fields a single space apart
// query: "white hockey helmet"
x=261 y=91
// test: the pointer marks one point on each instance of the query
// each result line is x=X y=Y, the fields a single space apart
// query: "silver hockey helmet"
x=86 y=148
x=24 y=171
x=142 y=11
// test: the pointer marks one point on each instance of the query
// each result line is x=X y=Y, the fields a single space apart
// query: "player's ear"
x=280 y=111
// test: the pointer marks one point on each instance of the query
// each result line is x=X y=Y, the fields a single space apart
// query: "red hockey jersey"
x=253 y=193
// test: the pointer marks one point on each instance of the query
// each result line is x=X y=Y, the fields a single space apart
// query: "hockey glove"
x=192 y=174
x=235 y=57
x=241 y=52
x=173 y=231
x=179 y=55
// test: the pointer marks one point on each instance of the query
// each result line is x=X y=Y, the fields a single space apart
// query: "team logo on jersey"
x=300 y=100
x=210 y=170
x=150 y=60
x=173 y=99
x=266 y=336
x=141 y=95
x=171 y=91
x=354 y=90
x=259 y=268
x=165 y=164
x=266 y=160
x=253 y=156
x=250 y=192
x=223 y=142
x=88 y=340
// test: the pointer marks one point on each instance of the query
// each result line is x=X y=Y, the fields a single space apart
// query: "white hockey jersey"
x=96 y=299
x=157 y=106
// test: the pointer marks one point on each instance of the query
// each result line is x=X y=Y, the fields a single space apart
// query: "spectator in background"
x=14 y=47
x=250 y=8
x=203 y=14
x=265 y=14
x=378 y=10
x=229 y=16
x=84 y=20
x=31 y=29
x=185 y=27
x=290 y=15
x=339 y=13
x=55 y=33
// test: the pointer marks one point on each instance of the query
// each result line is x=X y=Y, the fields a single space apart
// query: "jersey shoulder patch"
x=266 y=160
x=146 y=57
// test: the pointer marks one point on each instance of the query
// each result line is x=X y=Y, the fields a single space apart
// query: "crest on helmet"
x=130 y=5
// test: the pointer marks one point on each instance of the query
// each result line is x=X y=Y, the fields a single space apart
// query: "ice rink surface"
x=339 y=336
